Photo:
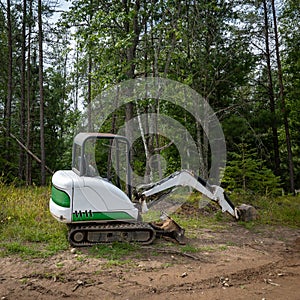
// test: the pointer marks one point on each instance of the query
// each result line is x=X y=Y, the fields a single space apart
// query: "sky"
x=62 y=6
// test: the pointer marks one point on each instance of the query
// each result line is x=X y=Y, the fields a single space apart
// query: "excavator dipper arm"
x=187 y=178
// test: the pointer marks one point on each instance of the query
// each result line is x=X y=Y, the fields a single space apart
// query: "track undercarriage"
x=136 y=232
x=88 y=235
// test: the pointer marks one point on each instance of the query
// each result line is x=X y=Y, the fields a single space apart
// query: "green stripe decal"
x=59 y=197
x=100 y=216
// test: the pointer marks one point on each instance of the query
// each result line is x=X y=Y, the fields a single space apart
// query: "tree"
x=7 y=115
x=282 y=100
x=289 y=31
x=247 y=173
x=188 y=42
x=228 y=51
x=23 y=94
x=41 y=88
x=271 y=92
x=29 y=93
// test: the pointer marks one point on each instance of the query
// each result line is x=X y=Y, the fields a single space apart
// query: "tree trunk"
x=76 y=80
x=271 y=95
x=90 y=68
x=9 y=83
x=283 y=107
x=148 y=174
x=130 y=56
x=23 y=100
x=41 y=88
x=28 y=103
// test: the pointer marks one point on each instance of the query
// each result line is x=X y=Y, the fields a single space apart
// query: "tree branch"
x=163 y=147
x=29 y=152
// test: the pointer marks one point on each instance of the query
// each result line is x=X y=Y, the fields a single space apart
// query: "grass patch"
x=284 y=210
x=17 y=248
x=117 y=263
x=116 y=254
x=26 y=225
x=189 y=249
x=277 y=211
x=192 y=249
x=192 y=224
x=115 y=251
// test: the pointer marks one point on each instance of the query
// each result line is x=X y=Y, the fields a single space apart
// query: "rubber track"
x=115 y=227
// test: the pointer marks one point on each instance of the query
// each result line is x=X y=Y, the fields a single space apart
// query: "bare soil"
x=233 y=263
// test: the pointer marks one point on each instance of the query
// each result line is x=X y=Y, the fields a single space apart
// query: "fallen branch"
x=172 y=251
x=27 y=150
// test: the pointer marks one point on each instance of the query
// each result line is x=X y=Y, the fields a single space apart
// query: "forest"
x=242 y=57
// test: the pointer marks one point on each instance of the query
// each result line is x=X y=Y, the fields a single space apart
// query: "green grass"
x=283 y=210
x=116 y=254
x=275 y=211
x=26 y=226
x=115 y=251
x=189 y=248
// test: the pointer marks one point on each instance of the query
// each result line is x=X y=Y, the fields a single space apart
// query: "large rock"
x=247 y=213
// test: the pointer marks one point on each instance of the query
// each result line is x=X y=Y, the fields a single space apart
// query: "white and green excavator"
x=98 y=209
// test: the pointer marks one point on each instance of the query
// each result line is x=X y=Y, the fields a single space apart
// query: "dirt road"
x=232 y=263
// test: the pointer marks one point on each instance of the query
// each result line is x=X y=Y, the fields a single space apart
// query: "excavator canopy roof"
x=81 y=137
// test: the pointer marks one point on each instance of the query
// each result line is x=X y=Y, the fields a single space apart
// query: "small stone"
x=184 y=274
x=73 y=250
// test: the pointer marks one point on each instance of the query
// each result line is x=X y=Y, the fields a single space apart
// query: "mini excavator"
x=101 y=210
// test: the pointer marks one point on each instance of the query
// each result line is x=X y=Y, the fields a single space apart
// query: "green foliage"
x=246 y=173
x=207 y=45
x=291 y=71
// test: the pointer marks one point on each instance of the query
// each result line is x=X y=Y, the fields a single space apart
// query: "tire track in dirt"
x=239 y=278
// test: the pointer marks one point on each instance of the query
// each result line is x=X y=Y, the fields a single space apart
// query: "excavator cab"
x=104 y=156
